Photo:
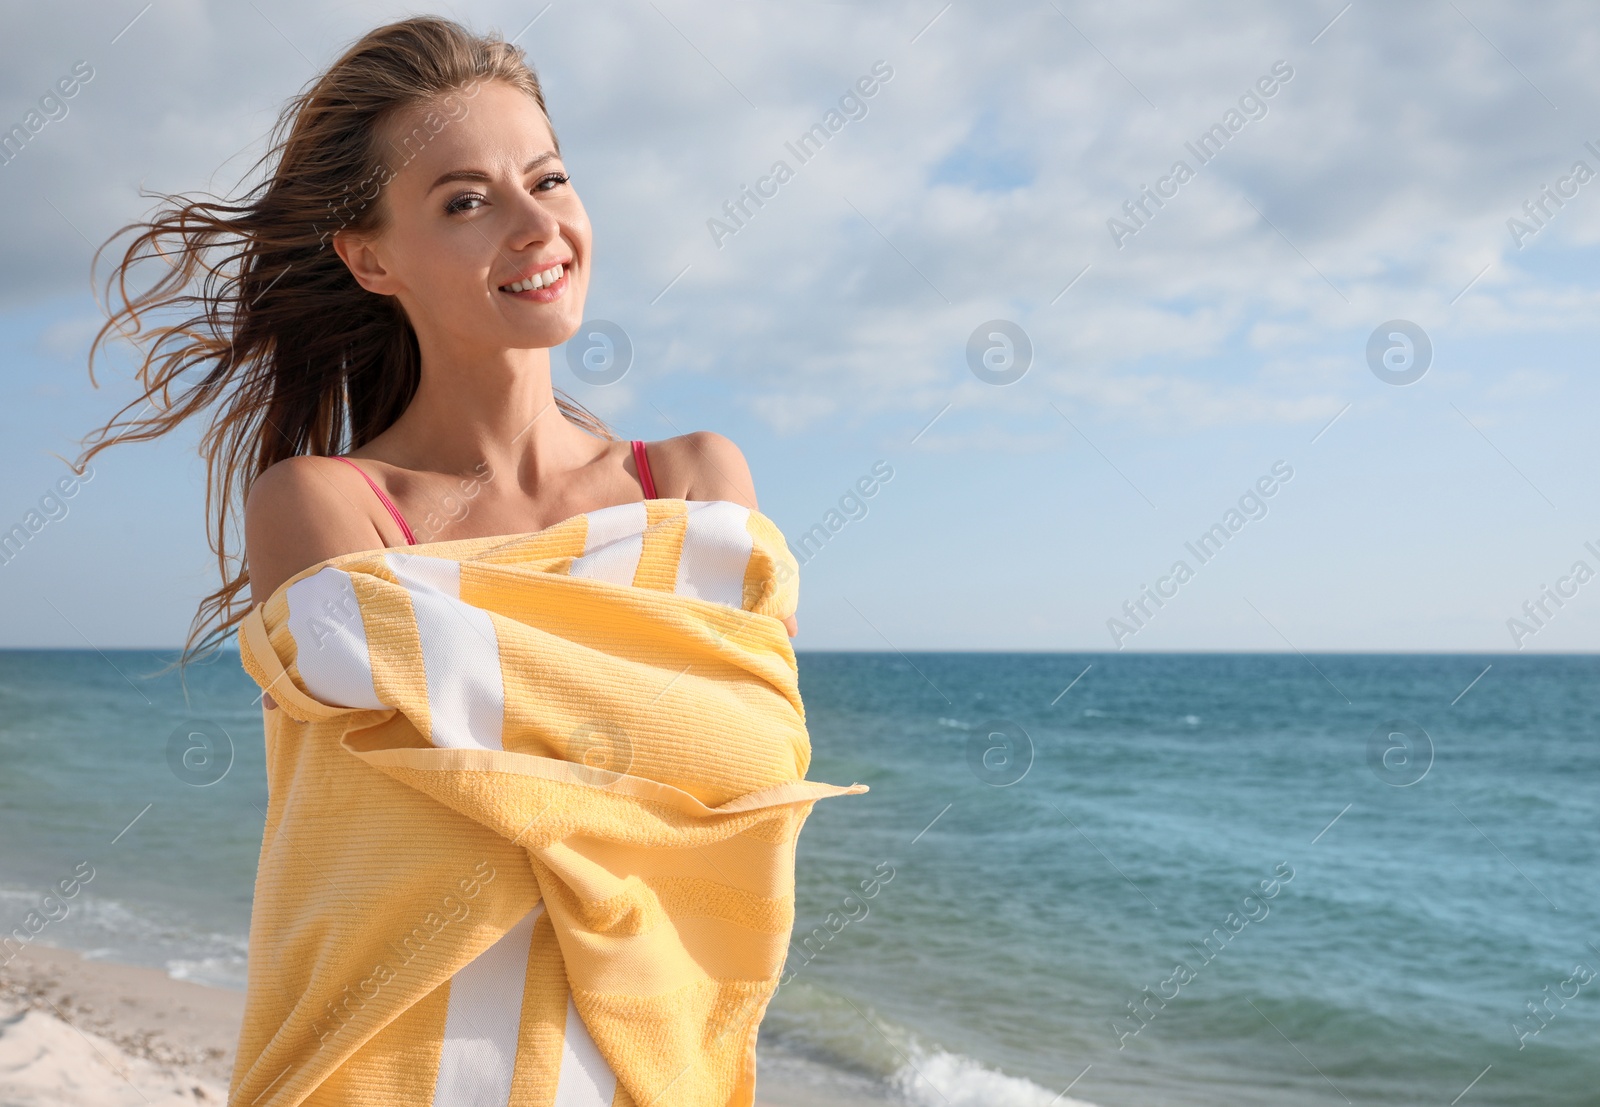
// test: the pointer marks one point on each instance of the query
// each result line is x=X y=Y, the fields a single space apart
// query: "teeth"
x=538 y=280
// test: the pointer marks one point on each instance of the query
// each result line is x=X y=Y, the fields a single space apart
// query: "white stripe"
x=482 y=1021
x=460 y=654
x=614 y=542
x=482 y=1029
x=330 y=640
x=586 y=1080
x=716 y=552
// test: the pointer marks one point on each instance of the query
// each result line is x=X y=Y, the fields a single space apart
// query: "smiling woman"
x=498 y=693
x=415 y=193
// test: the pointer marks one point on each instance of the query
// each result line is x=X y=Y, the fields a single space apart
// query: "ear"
x=361 y=257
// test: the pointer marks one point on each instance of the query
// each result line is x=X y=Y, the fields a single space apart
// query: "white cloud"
x=1386 y=166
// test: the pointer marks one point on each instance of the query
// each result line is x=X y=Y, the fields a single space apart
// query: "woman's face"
x=479 y=200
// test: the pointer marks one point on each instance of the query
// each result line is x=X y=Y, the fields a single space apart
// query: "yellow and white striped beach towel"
x=533 y=803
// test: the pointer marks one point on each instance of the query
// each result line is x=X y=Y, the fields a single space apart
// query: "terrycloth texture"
x=532 y=817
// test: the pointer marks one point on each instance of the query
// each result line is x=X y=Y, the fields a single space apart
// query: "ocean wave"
x=823 y=1027
x=939 y=1078
x=101 y=928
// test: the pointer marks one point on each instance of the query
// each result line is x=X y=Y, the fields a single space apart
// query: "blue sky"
x=831 y=332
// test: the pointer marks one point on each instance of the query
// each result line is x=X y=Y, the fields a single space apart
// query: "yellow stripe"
x=707 y=1031
x=747 y=863
x=394 y=646
x=772 y=578
x=665 y=523
x=544 y=1017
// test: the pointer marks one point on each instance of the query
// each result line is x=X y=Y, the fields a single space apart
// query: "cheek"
x=578 y=232
x=452 y=269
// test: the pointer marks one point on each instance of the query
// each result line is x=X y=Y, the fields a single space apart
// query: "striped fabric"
x=533 y=803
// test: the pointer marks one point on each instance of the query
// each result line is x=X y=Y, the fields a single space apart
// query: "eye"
x=460 y=203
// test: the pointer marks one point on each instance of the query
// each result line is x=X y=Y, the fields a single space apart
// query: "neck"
x=501 y=412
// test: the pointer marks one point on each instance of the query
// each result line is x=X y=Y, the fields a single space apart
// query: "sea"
x=1111 y=879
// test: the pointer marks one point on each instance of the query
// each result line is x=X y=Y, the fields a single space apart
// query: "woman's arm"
x=301 y=511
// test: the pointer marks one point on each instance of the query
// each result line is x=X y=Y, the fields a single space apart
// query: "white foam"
x=938 y=1078
x=100 y=928
x=215 y=972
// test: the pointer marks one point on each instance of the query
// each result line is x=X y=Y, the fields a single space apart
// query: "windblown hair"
x=290 y=354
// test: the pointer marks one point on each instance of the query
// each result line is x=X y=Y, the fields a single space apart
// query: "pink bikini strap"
x=387 y=502
x=643 y=462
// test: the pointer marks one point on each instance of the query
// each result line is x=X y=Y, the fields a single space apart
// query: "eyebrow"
x=480 y=175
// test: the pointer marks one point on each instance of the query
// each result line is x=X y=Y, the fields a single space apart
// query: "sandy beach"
x=79 y=1032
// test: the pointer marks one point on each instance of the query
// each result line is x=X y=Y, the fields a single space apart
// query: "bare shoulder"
x=702 y=465
x=303 y=510
x=705 y=465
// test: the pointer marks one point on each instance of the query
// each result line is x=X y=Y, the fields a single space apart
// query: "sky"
x=993 y=281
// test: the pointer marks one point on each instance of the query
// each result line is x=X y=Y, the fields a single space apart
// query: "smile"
x=546 y=280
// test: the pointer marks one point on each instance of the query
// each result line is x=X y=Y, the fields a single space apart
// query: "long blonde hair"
x=290 y=354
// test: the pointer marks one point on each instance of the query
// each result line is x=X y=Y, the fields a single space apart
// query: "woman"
x=514 y=849
x=373 y=301
x=484 y=207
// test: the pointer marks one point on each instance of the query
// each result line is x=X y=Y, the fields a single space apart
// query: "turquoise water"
x=1029 y=862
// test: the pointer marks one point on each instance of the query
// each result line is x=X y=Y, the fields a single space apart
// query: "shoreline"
x=76 y=1031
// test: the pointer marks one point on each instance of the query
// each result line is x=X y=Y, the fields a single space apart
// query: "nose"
x=533 y=221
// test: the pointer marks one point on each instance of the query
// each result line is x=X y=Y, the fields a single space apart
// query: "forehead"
x=495 y=127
